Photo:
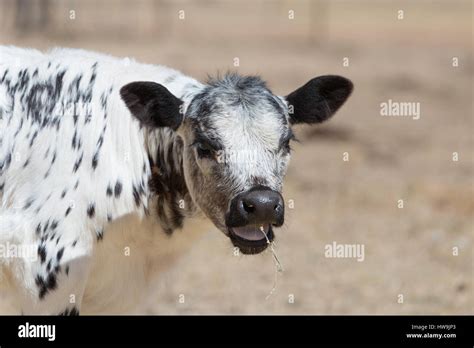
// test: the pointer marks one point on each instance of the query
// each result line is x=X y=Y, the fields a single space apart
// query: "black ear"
x=152 y=104
x=318 y=99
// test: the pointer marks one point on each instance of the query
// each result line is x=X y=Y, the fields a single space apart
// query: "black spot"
x=67 y=270
x=8 y=160
x=103 y=102
x=87 y=118
x=42 y=253
x=68 y=210
x=39 y=281
x=74 y=141
x=76 y=185
x=95 y=160
x=74 y=243
x=19 y=128
x=100 y=234
x=136 y=196
x=41 y=284
x=109 y=217
x=35 y=134
x=118 y=189
x=109 y=191
x=101 y=138
x=4 y=76
x=91 y=210
x=42 y=292
x=54 y=224
x=51 y=283
x=78 y=163
x=60 y=253
x=45 y=228
x=63 y=194
x=69 y=312
x=28 y=203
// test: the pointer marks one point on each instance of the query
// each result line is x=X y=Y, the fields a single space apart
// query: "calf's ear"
x=152 y=104
x=318 y=99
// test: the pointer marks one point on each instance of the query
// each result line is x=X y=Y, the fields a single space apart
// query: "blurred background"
x=422 y=54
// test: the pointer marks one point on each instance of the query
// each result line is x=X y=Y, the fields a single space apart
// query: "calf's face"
x=236 y=138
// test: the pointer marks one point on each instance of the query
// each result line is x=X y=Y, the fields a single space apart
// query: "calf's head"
x=236 y=137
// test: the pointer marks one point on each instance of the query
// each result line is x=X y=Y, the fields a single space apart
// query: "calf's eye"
x=205 y=151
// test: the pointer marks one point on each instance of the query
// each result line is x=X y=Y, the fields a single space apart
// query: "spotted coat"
x=71 y=161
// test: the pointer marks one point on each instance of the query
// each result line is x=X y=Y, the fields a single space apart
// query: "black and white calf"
x=88 y=139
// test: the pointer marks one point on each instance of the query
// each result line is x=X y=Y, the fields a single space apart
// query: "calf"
x=86 y=139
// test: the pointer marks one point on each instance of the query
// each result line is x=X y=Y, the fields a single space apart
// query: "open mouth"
x=251 y=239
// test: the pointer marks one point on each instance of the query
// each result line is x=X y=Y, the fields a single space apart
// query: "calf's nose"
x=261 y=206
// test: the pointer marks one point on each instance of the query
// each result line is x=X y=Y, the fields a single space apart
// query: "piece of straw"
x=278 y=265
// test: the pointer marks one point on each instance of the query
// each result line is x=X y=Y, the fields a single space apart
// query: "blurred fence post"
x=318 y=21
x=31 y=15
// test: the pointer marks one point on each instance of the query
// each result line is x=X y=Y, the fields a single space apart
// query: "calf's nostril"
x=249 y=208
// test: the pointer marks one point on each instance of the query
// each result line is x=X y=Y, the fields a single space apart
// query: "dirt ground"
x=409 y=250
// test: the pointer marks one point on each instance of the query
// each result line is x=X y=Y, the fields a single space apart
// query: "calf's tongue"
x=251 y=232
